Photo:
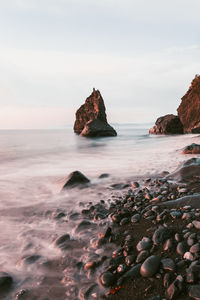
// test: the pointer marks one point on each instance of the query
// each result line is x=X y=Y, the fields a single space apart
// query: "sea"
x=34 y=165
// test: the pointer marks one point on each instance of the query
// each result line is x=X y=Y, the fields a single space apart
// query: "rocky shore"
x=148 y=243
x=141 y=241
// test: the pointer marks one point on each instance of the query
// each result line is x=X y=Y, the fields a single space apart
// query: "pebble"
x=195 y=248
x=107 y=279
x=188 y=256
x=168 y=264
x=196 y=224
x=135 y=218
x=62 y=239
x=169 y=244
x=194 y=291
x=134 y=185
x=150 y=266
x=142 y=256
x=161 y=235
x=144 y=244
x=181 y=248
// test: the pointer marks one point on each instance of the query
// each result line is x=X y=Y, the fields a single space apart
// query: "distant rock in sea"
x=189 y=109
x=168 y=124
x=91 y=120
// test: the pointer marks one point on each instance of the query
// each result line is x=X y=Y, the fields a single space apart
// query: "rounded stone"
x=188 y=256
x=150 y=266
x=107 y=279
x=181 y=248
x=168 y=264
x=5 y=281
x=135 y=218
x=142 y=256
x=195 y=248
x=144 y=244
x=194 y=291
x=161 y=235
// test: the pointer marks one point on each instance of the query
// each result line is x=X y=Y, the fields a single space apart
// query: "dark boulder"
x=76 y=178
x=192 y=149
x=188 y=171
x=91 y=120
x=5 y=281
x=168 y=124
x=189 y=109
x=96 y=128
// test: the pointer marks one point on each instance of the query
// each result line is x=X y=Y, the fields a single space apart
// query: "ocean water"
x=34 y=165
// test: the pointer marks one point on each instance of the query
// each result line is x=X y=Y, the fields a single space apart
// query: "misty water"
x=33 y=168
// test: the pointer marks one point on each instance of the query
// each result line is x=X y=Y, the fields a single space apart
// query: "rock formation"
x=169 y=124
x=75 y=179
x=91 y=120
x=189 y=109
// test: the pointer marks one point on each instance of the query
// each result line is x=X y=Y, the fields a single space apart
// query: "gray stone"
x=142 y=256
x=135 y=218
x=194 y=291
x=161 y=235
x=132 y=273
x=181 y=248
x=168 y=264
x=107 y=279
x=196 y=224
x=195 y=248
x=150 y=266
x=144 y=244
x=76 y=178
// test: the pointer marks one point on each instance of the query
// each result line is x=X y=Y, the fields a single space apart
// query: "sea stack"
x=91 y=120
x=189 y=109
x=168 y=124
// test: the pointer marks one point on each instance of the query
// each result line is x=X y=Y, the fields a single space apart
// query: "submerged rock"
x=91 y=120
x=74 y=179
x=189 y=109
x=168 y=124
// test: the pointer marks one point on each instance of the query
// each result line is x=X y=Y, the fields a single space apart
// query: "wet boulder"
x=188 y=171
x=5 y=281
x=74 y=179
x=91 y=119
x=189 y=109
x=192 y=149
x=168 y=124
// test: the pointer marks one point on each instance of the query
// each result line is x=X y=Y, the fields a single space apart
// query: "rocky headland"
x=188 y=119
x=189 y=109
x=91 y=119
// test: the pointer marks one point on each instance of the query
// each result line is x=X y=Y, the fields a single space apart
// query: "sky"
x=141 y=54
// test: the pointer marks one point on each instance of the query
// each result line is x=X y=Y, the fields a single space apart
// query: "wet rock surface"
x=169 y=124
x=75 y=179
x=192 y=149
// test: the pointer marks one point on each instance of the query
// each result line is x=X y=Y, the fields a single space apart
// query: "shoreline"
x=132 y=207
